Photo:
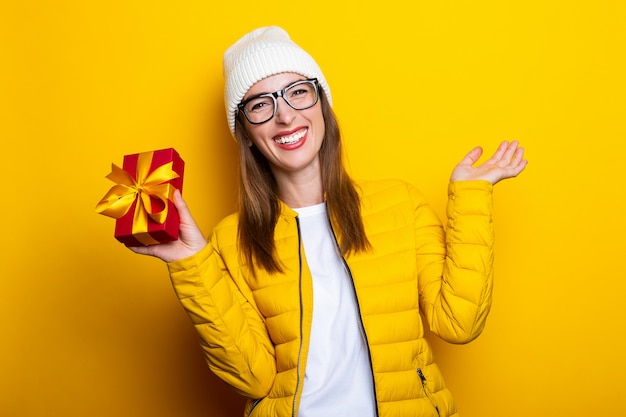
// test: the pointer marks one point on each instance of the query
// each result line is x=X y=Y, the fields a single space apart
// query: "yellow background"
x=89 y=329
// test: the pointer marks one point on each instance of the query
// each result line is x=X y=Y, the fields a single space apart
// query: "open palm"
x=507 y=162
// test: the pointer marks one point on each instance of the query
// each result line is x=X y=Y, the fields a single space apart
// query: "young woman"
x=311 y=300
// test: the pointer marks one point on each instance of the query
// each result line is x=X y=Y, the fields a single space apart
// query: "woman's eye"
x=258 y=105
x=299 y=92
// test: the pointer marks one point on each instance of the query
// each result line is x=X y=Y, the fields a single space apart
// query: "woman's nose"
x=284 y=112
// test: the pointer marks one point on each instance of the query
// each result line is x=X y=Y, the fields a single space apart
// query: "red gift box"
x=142 y=199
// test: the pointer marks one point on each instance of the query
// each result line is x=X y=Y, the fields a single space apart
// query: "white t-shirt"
x=338 y=377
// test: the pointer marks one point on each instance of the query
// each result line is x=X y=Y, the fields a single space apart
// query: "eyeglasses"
x=299 y=95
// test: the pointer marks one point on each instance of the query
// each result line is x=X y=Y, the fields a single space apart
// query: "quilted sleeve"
x=232 y=334
x=455 y=267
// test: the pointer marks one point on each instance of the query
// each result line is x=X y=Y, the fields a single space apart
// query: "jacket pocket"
x=427 y=390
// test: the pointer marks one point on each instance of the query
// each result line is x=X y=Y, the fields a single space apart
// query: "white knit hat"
x=259 y=54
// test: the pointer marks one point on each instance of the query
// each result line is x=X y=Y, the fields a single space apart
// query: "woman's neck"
x=300 y=190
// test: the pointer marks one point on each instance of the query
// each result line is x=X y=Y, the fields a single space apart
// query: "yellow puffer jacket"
x=255 y=331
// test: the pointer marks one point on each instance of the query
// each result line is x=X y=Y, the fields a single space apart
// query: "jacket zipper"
x=254 y=404
x=299 y=370
x=356 y=300
x=427 y=391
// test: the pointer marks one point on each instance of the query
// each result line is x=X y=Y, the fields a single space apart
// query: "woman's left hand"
x=507 y=162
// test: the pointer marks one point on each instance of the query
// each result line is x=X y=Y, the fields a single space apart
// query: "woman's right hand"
x=190 y=240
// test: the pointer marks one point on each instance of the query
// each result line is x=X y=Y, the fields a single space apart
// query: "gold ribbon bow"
x=120 y=198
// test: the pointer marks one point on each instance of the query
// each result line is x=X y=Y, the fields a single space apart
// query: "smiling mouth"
x=293 y=138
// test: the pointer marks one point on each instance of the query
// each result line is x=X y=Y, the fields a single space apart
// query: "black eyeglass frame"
x=280 y=93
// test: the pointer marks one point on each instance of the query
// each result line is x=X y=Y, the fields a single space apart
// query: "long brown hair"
x=259 y=205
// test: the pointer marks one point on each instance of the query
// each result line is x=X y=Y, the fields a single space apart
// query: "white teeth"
x=293 y=138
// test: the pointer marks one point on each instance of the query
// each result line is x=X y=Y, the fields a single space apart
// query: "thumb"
x=472 y=156
x=190 y=233
x=181 y=207
x=186 y=219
